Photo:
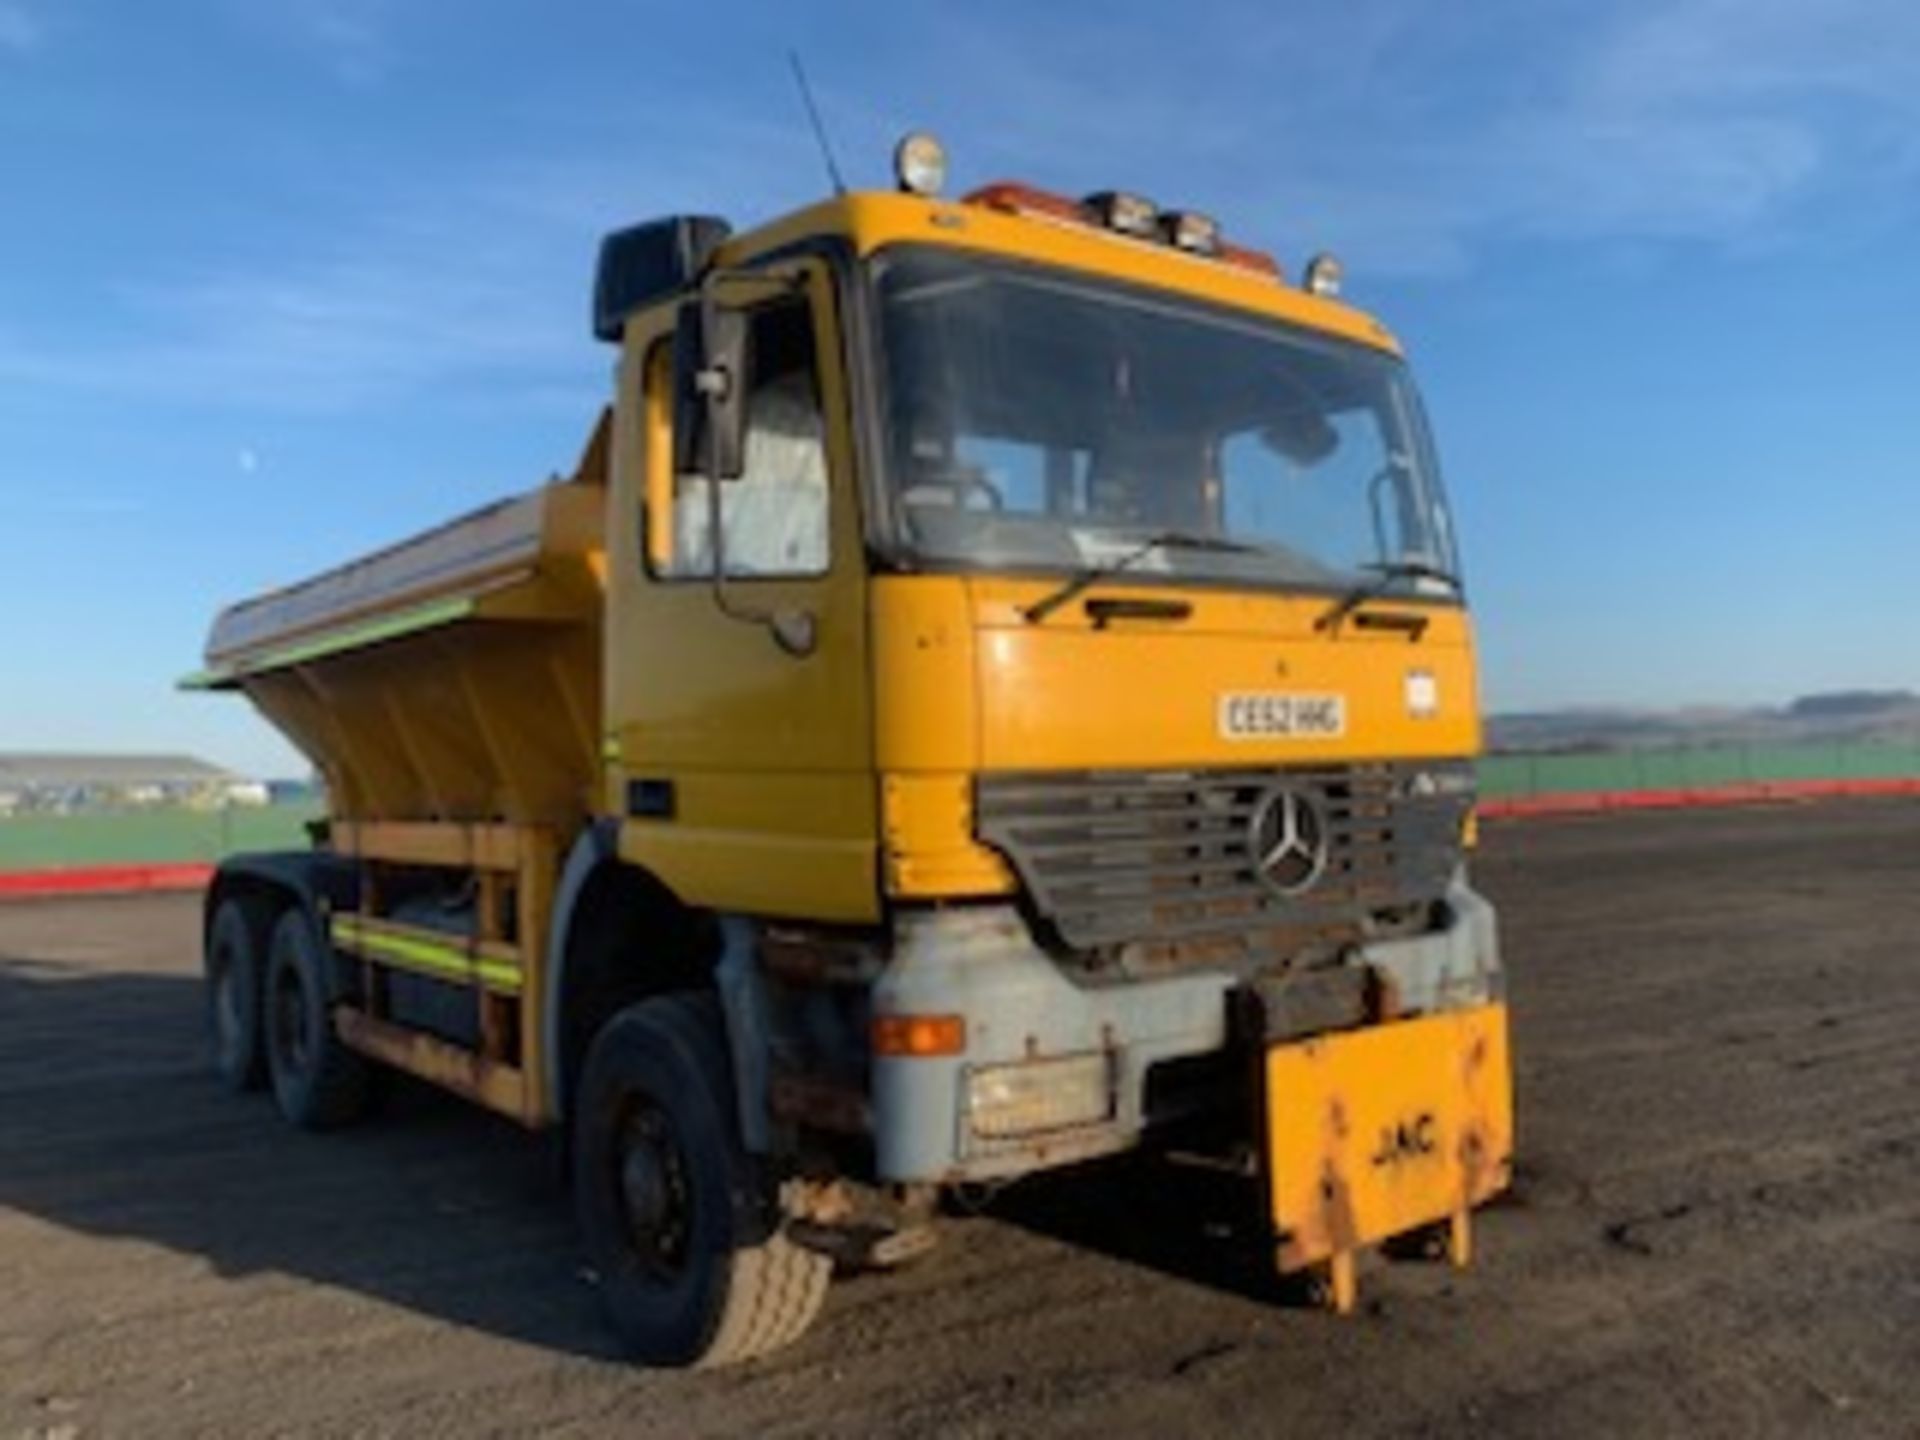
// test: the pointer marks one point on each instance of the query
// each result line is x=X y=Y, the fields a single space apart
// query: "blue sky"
x=284 y=279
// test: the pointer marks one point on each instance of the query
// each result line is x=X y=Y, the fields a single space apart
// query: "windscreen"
x=1043 y=422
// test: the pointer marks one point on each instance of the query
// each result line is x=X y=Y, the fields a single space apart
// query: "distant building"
x=61 y=784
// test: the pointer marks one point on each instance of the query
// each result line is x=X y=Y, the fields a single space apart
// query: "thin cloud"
x=351 y=38
x=1411 y=140
x=477 y=282
x=387 y=315
x=20 y=32
x=1414 y=137
x=1712 y=118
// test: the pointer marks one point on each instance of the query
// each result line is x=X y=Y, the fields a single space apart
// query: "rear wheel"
x=317 y=1081
x=235 y=963
x=678 y=1223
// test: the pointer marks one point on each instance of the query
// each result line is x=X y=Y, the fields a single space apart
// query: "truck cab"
x=1134 y=670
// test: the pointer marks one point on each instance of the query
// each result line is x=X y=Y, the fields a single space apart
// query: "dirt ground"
x=1715 y=1228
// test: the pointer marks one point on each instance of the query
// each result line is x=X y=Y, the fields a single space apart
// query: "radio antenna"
x=813 y=115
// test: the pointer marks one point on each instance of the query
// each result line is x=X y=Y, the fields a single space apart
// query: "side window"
x=775 y=514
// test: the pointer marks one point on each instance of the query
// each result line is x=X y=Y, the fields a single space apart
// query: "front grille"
x=1164 y=861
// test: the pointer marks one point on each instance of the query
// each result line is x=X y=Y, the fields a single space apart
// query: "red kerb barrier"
x=1760 y=792
x=101 y=880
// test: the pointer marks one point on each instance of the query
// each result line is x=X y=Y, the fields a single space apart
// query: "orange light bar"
x=1247 y=259
x=919 y=1036
x=1014 y=198
x=1011 y=197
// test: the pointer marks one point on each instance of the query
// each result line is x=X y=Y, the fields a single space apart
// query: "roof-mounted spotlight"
x=920 y=164
x=1191 y=231
x=1323 y=276
x=1129 y=214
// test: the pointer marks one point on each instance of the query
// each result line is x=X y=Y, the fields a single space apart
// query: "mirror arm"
x=1379 y=518
x=795 y=631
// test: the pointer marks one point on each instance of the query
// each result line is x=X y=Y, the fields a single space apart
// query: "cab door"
x=740 y=755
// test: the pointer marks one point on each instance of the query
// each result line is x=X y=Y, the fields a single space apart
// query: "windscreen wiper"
x=1160 y=540
x=1383 y=576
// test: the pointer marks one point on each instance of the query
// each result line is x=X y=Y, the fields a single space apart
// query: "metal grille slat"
x=1061 y=871
x=1101 y=831
x=1014 y=794
x=1112 y=858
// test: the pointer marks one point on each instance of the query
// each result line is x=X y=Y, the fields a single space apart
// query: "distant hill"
x=1852 y=704
x=1851 y=716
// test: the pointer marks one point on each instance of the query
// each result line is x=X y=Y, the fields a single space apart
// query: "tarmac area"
x=1714 y=1228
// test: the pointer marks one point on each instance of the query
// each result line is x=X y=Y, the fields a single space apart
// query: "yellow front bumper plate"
x=1373 y=1133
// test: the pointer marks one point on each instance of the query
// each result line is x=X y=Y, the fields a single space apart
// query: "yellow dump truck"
x=994 y=692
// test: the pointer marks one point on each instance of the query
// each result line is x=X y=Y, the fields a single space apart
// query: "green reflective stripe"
x=408 y=953
x=334 y=642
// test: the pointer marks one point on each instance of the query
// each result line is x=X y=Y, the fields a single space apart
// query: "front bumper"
x=1020 y=1007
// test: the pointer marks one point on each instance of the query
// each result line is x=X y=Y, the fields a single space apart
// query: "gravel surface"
x=1715 y=1228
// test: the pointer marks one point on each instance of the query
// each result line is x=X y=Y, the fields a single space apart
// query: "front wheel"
x=682 y=1230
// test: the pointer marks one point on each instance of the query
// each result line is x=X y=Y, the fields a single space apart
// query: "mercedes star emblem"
x=1289 y=836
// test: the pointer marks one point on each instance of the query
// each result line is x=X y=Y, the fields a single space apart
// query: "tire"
x=678 y=1223
x=318 y=1083
x=235 y=966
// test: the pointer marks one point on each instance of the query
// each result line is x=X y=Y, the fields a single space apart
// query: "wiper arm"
x=1094 y=574
x=1384 y=576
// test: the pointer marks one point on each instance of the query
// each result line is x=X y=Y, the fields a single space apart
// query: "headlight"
x=1035 y=1096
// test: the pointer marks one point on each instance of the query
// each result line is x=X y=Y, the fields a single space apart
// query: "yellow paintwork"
x=926 y=739
x=489 y=713
x=929 y=849
x=810 y=787
x=872 y=222
x=1141 y=694
x=1375 y=1132
x=964 y=683
x=770 y=755
x=814 y=786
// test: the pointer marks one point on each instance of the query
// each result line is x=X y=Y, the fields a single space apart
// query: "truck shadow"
x=111 y=1126
x=1191 y=1223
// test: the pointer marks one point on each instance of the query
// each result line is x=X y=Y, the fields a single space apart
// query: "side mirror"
x=711 y=358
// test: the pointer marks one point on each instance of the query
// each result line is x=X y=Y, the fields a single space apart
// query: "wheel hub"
x=651 y=1179
x=290 y=1021
x=643 y=1184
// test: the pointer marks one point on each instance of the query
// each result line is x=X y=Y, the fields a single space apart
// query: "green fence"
x=1512 y=776
x=33 y=842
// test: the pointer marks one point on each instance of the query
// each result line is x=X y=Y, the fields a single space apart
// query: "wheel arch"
x=315 y=881
x=607 y=912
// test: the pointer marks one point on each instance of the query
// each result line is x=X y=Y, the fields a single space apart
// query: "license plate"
x=1279 y=715
x=1375 y=1132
